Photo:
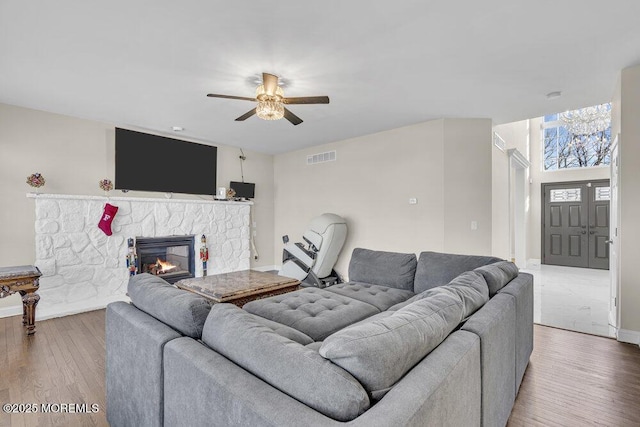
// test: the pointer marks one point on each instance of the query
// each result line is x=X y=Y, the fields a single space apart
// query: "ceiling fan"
x=271 y=100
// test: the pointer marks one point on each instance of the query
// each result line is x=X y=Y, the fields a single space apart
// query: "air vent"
x=499 y=142
x=329 y=156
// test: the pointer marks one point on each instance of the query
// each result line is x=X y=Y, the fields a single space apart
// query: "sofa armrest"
x=494 y=324
x=134 y=342
x=521 y=289
x=202 y=387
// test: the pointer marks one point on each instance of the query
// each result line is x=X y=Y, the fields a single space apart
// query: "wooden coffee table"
x=239 y=287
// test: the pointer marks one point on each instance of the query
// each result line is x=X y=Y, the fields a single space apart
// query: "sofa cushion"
x=314 y=312
x=315 y=346
x=437 y=269
x=392 y=269
x=288 y=366
x=379 y=352
x=184 y=311
x=382 y=297
x=284 y=330
x=470 y=286
x=472 y=289
x=498 y=274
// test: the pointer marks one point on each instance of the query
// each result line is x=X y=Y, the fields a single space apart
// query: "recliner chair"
x=313 y=264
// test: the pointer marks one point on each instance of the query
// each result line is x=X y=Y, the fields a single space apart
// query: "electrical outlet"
x=474 y=225
x=413 y=201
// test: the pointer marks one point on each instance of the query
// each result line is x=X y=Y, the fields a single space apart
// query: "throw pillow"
x=380 y=352
x=498 y=275
x=391 y=269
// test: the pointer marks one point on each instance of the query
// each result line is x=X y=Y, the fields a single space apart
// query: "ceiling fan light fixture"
x=270 y=106
x=270 y=101
x=270 y=110
x=262 y=93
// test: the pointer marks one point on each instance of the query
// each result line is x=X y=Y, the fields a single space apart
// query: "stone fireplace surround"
x=83 y=269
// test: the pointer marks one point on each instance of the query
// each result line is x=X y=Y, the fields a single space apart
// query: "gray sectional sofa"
x=440 y=340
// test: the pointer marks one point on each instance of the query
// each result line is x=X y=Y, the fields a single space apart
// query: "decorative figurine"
x=132 y=258
x=204 y=254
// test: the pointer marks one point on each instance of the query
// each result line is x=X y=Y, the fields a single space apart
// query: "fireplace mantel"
x=130 y=199
x=83 y=269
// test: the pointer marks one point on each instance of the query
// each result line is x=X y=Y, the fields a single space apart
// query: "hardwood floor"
x=62 y=363
x=575 y=379
x=572 y=379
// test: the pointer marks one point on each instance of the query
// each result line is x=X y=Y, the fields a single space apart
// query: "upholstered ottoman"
x=381 y=297
x=315 y=312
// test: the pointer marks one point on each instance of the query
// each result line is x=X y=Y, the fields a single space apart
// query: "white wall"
x=445 y=164
x=73 y=155
x=538 y=177
x=500 y=241
x=467 y=186
x=516 y=136
x=626 y=112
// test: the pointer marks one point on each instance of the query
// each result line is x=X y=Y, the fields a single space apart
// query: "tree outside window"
x=564 y=149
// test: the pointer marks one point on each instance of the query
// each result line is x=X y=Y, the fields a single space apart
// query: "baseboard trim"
x=44 y=313
x=13 y=310
x=631 y=337
x=266 y=268
x=534 y=263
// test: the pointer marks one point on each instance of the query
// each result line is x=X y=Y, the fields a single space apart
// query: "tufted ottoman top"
x=382 y=297
x=315 y=312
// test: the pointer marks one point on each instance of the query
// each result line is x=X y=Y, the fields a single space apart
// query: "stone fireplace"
x=171 y=258
x=83 y=269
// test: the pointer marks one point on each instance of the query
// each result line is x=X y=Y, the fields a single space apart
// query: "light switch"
x=474 y=225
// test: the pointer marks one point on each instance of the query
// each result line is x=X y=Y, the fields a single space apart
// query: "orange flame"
x=164 y=266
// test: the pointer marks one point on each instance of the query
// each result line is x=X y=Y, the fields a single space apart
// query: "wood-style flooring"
x=62 y=363
x=573 y=379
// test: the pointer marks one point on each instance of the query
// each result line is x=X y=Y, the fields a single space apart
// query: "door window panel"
x=603 y=193
x=565 y=195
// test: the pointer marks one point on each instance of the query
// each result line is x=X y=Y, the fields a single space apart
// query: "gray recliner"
x=313 y=263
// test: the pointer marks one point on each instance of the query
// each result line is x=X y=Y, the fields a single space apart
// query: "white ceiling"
x=149 y=63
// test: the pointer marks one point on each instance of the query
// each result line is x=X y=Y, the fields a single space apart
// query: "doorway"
x=575 y=224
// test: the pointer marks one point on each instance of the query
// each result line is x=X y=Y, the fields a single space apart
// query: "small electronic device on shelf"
x=244 y=190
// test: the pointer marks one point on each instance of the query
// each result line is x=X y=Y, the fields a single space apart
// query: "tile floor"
x=571 y=298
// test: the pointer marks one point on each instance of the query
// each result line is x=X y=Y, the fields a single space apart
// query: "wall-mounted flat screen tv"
x=155 y=163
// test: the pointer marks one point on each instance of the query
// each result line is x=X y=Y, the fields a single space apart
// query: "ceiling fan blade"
x=242 y=98
x=295 y=120
x=246 y=115
x=307 y=100
x=270 y=83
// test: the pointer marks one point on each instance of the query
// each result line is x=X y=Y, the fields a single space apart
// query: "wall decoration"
x=106 y=185
x=106 y=219
x=36 y=180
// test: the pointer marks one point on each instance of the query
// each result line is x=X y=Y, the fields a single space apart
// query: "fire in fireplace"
x=171 y=258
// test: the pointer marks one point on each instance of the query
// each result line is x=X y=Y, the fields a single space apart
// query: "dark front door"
x=576 y=224
x=599 y=196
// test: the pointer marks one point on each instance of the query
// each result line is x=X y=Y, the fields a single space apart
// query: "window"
x=603 y=193
x=588 y=145
x=565 y=195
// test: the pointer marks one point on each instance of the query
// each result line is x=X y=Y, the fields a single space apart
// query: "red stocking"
x=107 y=218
